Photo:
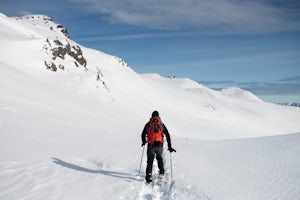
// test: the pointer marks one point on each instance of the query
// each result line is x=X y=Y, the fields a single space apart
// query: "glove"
x=143 y=143
x=171 y=150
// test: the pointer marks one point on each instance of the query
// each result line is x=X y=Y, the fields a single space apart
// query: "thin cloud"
x=219 y=15
x=135 y=36
x=274 y=89
x=291 y=79
x=24 y=12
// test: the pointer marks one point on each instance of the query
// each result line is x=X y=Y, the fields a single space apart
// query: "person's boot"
x=148 y=178
x=162 y=172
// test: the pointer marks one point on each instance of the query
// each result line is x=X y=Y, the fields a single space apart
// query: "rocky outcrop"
x=60 y=50
x=122 y=62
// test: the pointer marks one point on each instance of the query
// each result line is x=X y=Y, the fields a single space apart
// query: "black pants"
x=153 y=151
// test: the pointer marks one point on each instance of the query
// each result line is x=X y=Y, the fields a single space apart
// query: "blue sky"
x=252 y=44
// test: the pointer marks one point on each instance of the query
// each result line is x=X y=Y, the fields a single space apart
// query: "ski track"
x=168 y=189
x=157 y=190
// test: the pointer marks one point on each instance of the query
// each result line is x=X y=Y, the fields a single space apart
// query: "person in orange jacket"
x=153 y=134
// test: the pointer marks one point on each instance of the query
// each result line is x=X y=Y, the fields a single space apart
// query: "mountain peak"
x=43 y=22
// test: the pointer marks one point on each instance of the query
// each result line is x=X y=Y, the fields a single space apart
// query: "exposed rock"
x=51 y=66
x=59 y=50
x=122 y=62
x=63 y=30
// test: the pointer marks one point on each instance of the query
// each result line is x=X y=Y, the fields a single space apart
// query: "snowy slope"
x=71 y=118
x=261 y=168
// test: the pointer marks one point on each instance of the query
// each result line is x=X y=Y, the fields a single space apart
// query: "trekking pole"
x=141 y=160
x=171 y=166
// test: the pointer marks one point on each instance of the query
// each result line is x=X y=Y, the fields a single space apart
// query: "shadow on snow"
x=72 y=166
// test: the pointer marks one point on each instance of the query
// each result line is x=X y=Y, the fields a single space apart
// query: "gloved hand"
x=143 y=143
x=171 y=149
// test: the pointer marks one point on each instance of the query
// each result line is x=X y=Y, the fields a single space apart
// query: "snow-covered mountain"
x=70 y=115
x=40 y=48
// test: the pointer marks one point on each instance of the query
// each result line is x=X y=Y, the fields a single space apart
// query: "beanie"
x=155 y=114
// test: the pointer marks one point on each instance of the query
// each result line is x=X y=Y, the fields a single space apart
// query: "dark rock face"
x=51 y=66
x=60 y=50
x=63 y=30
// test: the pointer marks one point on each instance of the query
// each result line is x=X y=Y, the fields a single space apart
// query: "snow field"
x=259 y=168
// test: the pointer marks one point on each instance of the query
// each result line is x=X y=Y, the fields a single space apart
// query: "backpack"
x=155 y=132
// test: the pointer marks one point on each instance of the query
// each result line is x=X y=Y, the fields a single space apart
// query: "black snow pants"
x=153 y=151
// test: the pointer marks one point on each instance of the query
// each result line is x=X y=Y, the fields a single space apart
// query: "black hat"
x=155 y=114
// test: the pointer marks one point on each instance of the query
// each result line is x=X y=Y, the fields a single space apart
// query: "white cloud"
x=24 y=12
x=149 y=35
x=220 y=15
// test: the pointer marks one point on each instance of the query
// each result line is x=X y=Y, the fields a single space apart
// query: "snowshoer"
x=153 y=134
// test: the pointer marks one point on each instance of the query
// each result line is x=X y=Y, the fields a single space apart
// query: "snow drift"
x=72 y=116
